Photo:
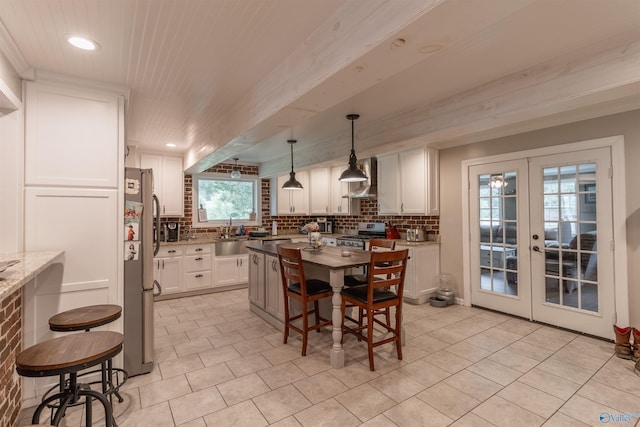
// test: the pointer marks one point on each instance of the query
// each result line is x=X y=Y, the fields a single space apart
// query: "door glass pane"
x=571 y=271
x=498 y=232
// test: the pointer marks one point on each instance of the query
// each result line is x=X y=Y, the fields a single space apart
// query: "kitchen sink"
x=231 y=246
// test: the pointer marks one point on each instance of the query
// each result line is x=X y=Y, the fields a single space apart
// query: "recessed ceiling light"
x=83 y=43
x=170 y=145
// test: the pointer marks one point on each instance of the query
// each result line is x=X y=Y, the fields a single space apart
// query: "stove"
x=366 y=231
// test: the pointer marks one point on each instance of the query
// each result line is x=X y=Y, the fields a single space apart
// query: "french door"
x=541 y=239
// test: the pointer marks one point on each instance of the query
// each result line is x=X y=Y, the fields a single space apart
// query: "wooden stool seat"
x=85 y=318
x=70 y=353
x=67 y=355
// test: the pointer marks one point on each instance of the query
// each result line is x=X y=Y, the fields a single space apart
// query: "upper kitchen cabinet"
x=341 y=205
x=319 y=189
x=326 y=191
x=290 y=202
x=72 y=136
x=407 y=183
x=168 y=182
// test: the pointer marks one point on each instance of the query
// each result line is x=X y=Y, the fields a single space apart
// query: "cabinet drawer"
x=201 y=279
x=198 y=249
x=168 y=251
x=197 y=262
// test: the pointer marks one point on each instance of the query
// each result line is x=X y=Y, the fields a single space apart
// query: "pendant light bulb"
x=235 y=173
x=353 y=173
x=292 y=183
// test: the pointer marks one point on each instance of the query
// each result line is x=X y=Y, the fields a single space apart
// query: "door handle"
x=537 y=249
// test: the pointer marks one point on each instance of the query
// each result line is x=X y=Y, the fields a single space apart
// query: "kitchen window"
x=224 y=198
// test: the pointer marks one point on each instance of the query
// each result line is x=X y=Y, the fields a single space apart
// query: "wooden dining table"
x=329 y=258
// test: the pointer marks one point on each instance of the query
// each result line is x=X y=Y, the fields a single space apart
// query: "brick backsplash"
x=10 y=346
x=291 y=223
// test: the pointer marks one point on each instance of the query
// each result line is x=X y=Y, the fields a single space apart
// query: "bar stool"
x=68 y=355
x=84 y=319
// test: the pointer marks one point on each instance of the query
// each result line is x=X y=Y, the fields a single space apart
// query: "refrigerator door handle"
x=156 y=235
x=157 y=286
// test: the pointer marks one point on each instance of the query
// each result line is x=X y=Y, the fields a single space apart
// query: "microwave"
x=326 y=226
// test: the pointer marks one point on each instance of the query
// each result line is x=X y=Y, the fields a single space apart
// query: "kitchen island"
x=265 y=286
x=12 y=280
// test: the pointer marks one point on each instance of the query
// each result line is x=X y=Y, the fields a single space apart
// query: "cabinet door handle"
x=401 y=207
x=199 y=259
x=163 y=209
x=199 y=250
x=199 y=276
x=172 y=251
x=240 y=262
x=163 y=264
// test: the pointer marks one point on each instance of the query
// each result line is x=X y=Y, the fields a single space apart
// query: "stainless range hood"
x=367 y=188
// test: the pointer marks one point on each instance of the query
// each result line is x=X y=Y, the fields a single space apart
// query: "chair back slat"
x=291 y=267
x=387 y=269
x=377 y=244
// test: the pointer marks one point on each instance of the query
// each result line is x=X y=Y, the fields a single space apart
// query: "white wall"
x=451 y=187
x=11 y=162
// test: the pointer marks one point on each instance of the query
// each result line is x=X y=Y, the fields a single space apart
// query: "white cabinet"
x=433 y=181
x=168 y=182
x=341 y=205
x=197 y=267
x=423 y=266
x=319 y=189
x=326 y=191
x=231 y=270
x=407 y=183
x=290 y=202
x=168 y=269
x=72 y=136
x=256 y=278
x=274 y=297
x=73 y=191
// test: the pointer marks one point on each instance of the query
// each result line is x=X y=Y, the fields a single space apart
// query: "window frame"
x=195 y=181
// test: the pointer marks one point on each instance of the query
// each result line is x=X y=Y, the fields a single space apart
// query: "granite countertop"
x=31 y=264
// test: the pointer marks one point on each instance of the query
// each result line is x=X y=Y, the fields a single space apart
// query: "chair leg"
x=370 y=338
x=398 y=330
x=287 y=320
x=305 y=326
x=316 y=308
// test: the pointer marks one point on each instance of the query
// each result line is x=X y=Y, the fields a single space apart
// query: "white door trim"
x=616 y=144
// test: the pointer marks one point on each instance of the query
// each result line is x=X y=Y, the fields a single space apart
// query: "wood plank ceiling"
x=225 y=78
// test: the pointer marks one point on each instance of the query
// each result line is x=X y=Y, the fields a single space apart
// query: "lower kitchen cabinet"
x=422 y=268
x=265 y=289
x=197 y=267
x=231 y=270
x=168 y=269
x=256 y=278
x=274 y=297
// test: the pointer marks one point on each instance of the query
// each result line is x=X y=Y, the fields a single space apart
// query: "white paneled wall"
x=74 y=164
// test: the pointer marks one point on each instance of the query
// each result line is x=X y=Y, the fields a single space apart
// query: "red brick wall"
x=10 y=346
x=291 y=223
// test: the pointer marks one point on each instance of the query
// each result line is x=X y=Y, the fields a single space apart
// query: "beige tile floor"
x=220 y=365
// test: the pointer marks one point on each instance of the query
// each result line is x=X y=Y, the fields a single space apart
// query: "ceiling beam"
x=537 y=97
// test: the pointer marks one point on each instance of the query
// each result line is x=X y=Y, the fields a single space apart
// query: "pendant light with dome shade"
x=235 y=172
x=353 y=173
x=292 y=183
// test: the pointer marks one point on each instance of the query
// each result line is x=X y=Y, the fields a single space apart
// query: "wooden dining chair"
x=374 y=245
x=297 y=287
x=386 y=271
x=361 y=279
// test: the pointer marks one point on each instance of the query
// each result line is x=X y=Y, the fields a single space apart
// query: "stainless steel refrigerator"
x=141 y=243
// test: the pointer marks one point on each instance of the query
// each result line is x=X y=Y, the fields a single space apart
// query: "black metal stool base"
x=71 y=396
